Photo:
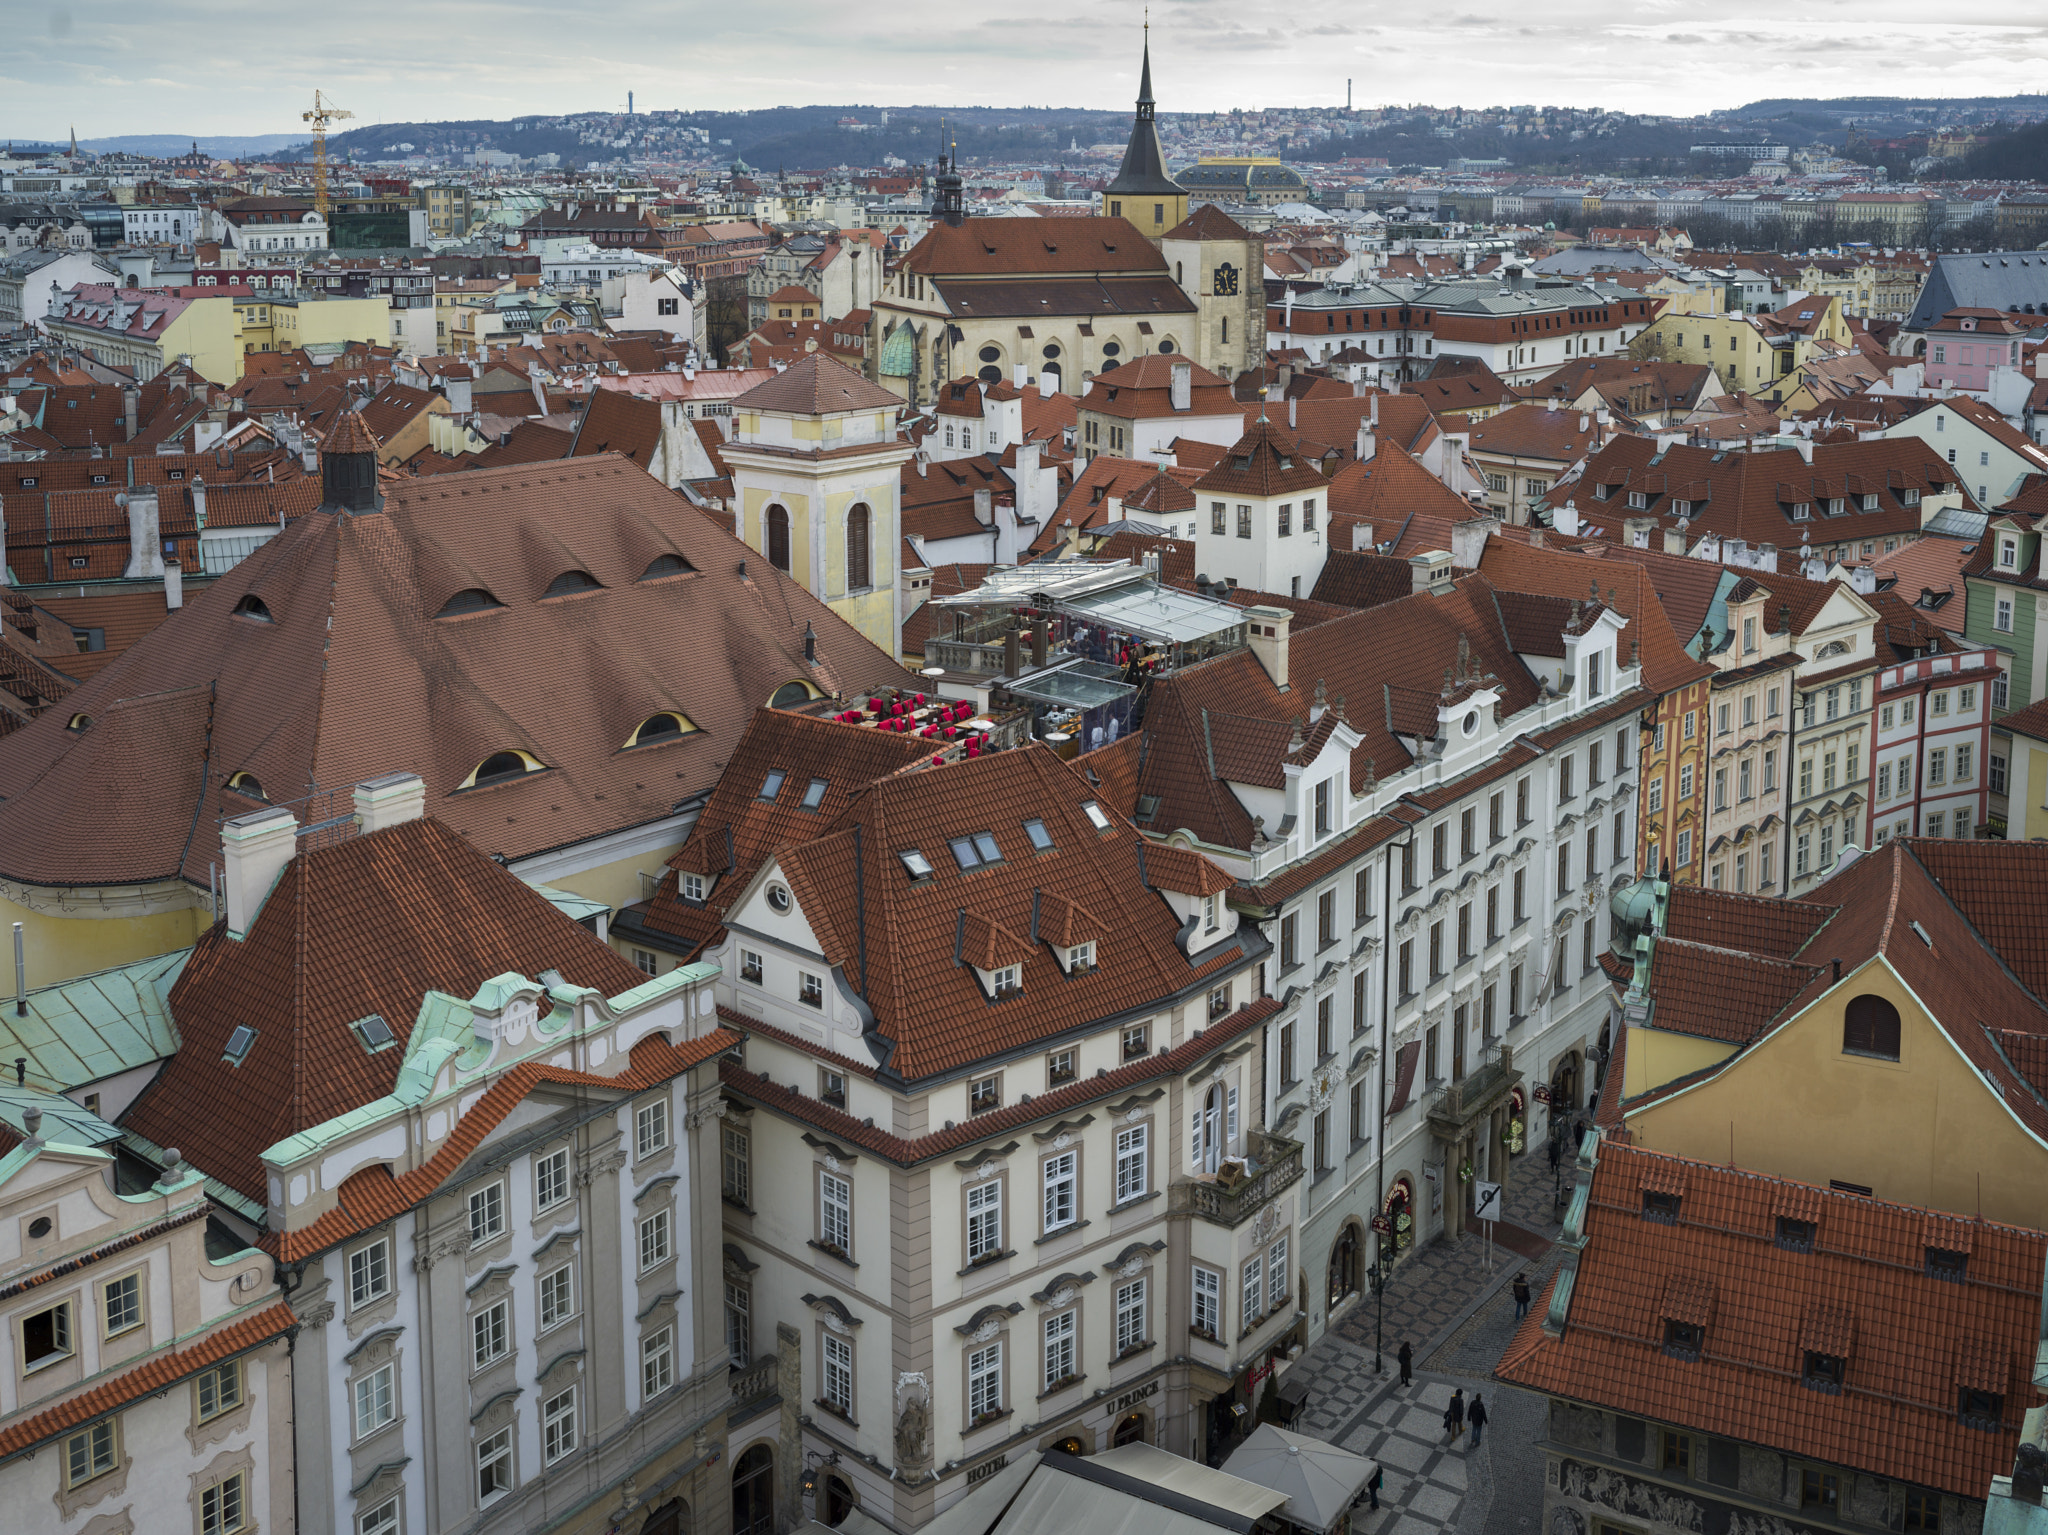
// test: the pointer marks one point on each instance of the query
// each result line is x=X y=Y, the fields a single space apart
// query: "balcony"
x=755 y=1389
x=1459 y=1105
x=1232 y=1196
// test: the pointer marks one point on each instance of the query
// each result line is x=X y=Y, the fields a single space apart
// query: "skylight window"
x=920 y=867
x=814 y=794
x=773 y=786
x=973 y=851
x=1041 y=839
x=1095 y=816
x=374 y=1032
x=238 y=1044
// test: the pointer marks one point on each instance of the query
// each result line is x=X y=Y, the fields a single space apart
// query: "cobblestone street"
x=1458 y=1316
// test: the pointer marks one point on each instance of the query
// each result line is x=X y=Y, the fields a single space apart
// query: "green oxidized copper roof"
x=90 y=1028
x=899 y=353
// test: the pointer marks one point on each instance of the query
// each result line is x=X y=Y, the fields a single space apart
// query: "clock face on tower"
x=1226 y=281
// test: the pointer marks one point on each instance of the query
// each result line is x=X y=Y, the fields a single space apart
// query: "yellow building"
x=816 y=469
x=2026 y=779
x=145 y=330
x=1759 y=355
x=281 y=323
x=1878 y=1035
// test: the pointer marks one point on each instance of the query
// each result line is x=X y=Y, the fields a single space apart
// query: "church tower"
x=1142 y=191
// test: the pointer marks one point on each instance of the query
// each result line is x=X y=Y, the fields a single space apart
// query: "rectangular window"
x=1494 y=829
x=558 y=1426
x=1684 y=847
x=490 y=1335
x=1322 y=1142
x=1465 y=931
x=658 y=1362
x=1358 y=995
x=2003 y=619
x=376 y=1400
x=1937 y=766
x=218 y=1390
x=1326 y=919
x=1468 y=833
x=551 y=1179
x=486 y=1213
x=1564 y=778
x=1770 y=771
x=1060 y=1201
x=1522 y=802
x=1217 y=511
x=655 y=1244
x=1965 y=764
x=835 y=1214
x=1208 y=1302
x=984 y=1221
x=984 y=1094
x=1436 y=950
x=1521 y=896
x=736 y=1172
x=90 y=1453
x=1290 y=947
x=494 y=1466
x=1136 y=1041
x=369 y=1273
x=1253 y=1291
x=557 y=1296
x=1244 y=521
x=1132 y=1162
x=1361 y=896
x=984 y=1383
x=223 y=1507
x=1405 y=967
x=123 y=1299
x=650 y=1127
x=1059 y=1349
x=810 y=989
x=1440 y=849
x=739 y=1324
x=837 y=1354
x=1564 y=868
x=1130 y=1316
x=1430 y=1072
x=750 y=966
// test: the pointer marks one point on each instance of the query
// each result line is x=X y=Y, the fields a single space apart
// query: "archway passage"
x=1073 y=1444
x=835 y=1501
x=1130 y=1429
x=672 y=1518
x=753 y=1492
x=777 y=536
x=1344 y=1265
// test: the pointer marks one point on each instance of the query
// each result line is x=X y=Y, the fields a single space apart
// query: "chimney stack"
x=1674 y=541
x=131 y=403
x=145 y=543
x=1266 y=631
x=174 y=586
x=1361 y=536
x=1430 y=571
x=390 y=800
x=255 y=849
x=1181 y=385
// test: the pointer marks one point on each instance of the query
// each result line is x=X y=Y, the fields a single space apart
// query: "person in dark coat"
x=1521 y=1296
x=1407 y=1358
x=1556 y=1149
x=1379 y=1475
x=1477 y=1418
x=1454 y=1417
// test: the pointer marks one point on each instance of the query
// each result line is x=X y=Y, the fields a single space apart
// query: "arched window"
x=1167 y=348
x=570 y=582
x=859 y=567
x=253 y=606
x=776 y=524
x=1870 y=1026
x=665 y=565
x=835 y=1500
x=471 y=599
x=1130 y=1429
x=245 y=784
x=501 y=767
x=78 y=723
x=790 y=694
x=665 y=726
x=753 y=1492
x=1344 y=1264
x=990 y=375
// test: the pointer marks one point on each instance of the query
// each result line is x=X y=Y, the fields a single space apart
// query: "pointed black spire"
x=1145 y=80
x=1143 y=173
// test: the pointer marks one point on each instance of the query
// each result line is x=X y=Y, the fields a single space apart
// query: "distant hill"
x=2021 y=155
x=1843 y=109
x=222 y=146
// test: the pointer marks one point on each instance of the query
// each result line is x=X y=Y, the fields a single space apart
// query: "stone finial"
x=1464 y=655
x=1338 y=709
x=1320 y=704
x=1258 y=831
x=32 y=1122
x=1449 y=685
x=1372 y=779
x=1294 y=742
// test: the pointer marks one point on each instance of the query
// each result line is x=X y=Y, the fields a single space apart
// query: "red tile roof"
x=1909 y=1342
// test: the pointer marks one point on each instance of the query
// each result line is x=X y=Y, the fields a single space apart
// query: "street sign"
x=1383 y=1224
x=1543 y=1092
x=1486 y=1201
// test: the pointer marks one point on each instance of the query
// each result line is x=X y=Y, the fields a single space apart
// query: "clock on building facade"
x=1226 y=281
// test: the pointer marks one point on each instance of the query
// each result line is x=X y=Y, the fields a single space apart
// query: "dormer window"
x=570 y=582
x=1081 y=957
x=666 y=565
x=1911 y=498
x=1637 y=501
x=665 y=726
x=471 y=599
x=374 y=1033
x=1041 y=839
x=254 y=607
x=1212 y=913
x=79 y=723
x=693 y=887
x=974 y=850
x=1662 y=1207
x=1942 y=1263
x=1095 y=815
x=916 y=864
x=501 y=767
x=1822 y=1372
x=1801 y=511
x=1684 y=1340
x=1981 y=1409
x=1795 y=1235
x=1006 y=981
x=1681 y=508
x=1870 y=501
x=2008 y=553
x=245 y=784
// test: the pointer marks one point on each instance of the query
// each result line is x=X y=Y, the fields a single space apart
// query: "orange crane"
x=322 y=114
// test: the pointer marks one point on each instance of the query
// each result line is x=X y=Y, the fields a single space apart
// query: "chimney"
x=1048 y=384
x=390 y=800
x=1585 y=422
x=174 y=586
x=1635 y=531
x=985 y=507
x=1468 y=540
x=1674 y=541
x=1181 y=386
x=131 y=403
x=145 y=543
x=1292 y=403
x=1361 y=536
x=254 y=851
x=1430 y=571
x=1041 y=646
x=1766 y=558
x=1020 y=374
x=1266 y=632
x=1804 y=447
x=1013 y=654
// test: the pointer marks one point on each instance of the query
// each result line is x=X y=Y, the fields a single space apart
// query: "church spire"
x=1143 y=173
x=1145 y=76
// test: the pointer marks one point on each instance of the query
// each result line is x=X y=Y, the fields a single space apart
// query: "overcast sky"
x=214 y=66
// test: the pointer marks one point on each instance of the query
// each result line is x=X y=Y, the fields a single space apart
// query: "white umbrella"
x=1320 y=1480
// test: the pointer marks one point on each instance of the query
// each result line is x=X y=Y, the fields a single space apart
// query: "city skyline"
x=116 y=70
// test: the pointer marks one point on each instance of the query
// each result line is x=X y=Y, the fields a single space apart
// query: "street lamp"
x=1379 y=1276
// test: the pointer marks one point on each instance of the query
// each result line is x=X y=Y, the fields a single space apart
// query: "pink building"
x=1964 y=345
x=1933 y=732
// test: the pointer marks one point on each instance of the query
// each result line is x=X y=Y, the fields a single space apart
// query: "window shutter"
x=1230 y=1118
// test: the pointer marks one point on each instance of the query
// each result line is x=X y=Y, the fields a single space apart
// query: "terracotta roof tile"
x=1908 y=1340
x=819 y=385
x=349 y=434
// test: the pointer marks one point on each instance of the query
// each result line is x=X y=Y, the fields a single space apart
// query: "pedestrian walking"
x=1407 y=1358
x=1454 y=1417
x=1379 y=1475
x=1477 y=1418
x=1521 y=1297
x=1556 y=1151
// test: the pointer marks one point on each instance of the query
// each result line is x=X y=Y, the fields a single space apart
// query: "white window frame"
x=657 y=1362
x=487 y=1213
x=556 y=1294
x=551 y=1179
x=494 y=1451
x=1060 y=1181
x=1062 y=1339
x=657 y=1240
x=1130 y=1315
x=1133 y=1162
x=366 y=1288
x=1278 y=1282
x=558 y=1436
x=984 y=1382
x=984 y=1221
x=490 y=1334
x=835 y=1211
x=377 y=1391
x=381 y=1520
x=221 y=1511
x=1253 y=1287
x=835 y=1384
x=1207 y=1309
x=650 y=1127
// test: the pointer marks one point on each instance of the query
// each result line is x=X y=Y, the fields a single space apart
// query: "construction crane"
x=321 y=115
